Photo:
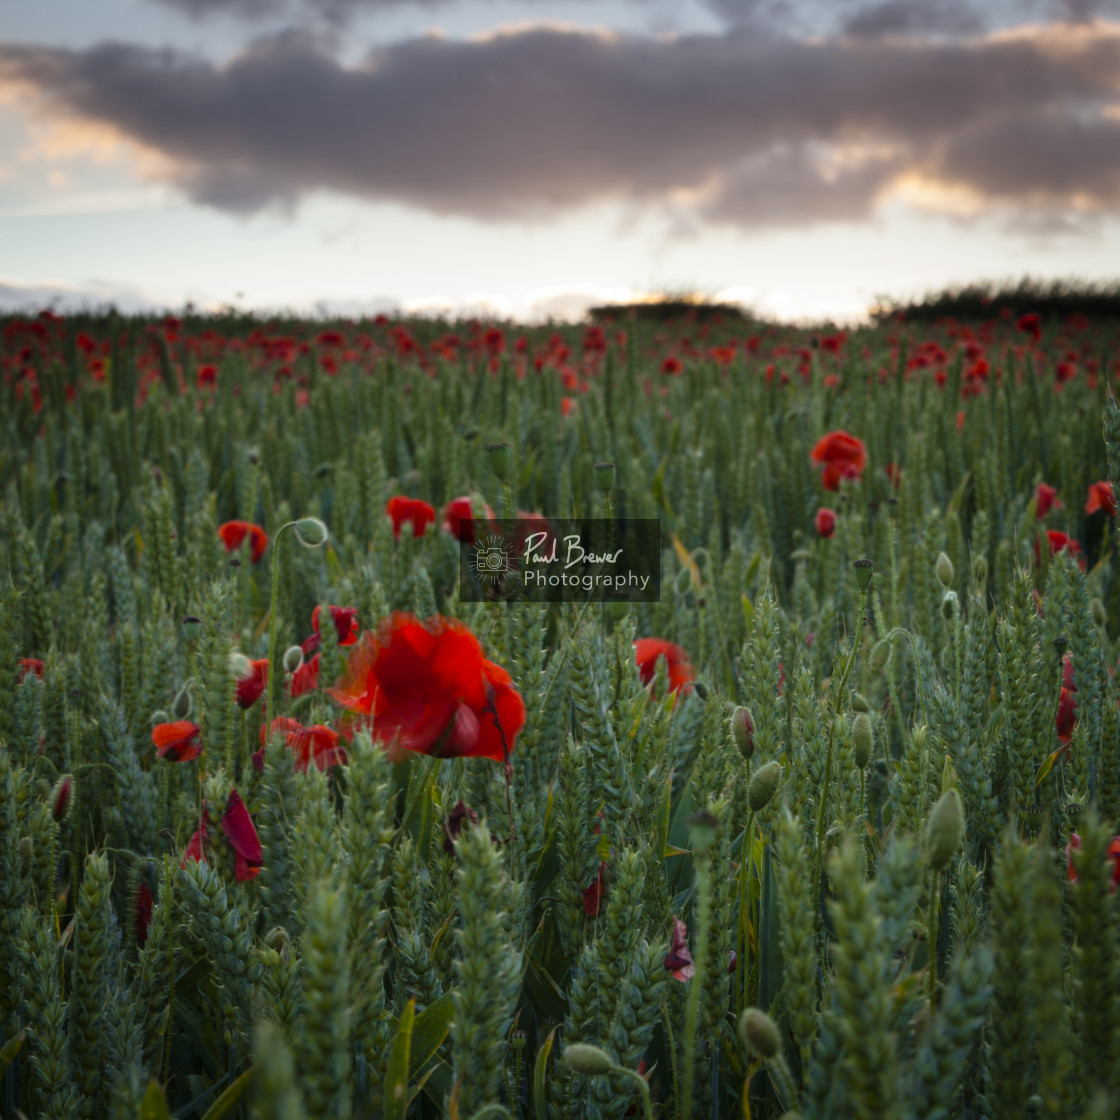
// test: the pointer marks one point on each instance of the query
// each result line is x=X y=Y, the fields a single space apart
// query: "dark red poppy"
x=306 y=677
x=457 y=820
x=593 y=895
x=671 y=366
x=1101 y=498
x=30 y=665
x=427 y=687
x=843 y=456
x=207 y=376
x=142 y=913
x=238 y=828
x=345 y=623
x=411 y=511
x=1066 y=719
x=648 y=650
x=1059 y=542
x=1045 y=499
x=233 y=534
x=459 y=519
x=251 y=687
x=178 y=741
x=1031 y=324
x=825 y=522
x=1113 y=855
x=678 y=960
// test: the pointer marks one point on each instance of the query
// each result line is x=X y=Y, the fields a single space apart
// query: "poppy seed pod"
x=864 y=570
x=604 y=477
x=863 y=739
x=859 y=702
x=764 y=782
x=192 y=627
x=311 y=532
x=500 y=457
x=293 y=659
x=759 y=1034
x=944 y=569
x=742 y=730
x=588 y=1060
x=944 y=830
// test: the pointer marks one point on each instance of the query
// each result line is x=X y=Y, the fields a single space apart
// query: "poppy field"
x=290 y=828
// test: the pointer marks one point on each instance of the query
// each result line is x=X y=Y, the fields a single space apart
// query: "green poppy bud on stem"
x=159 y=716
x=859 y=702
x=704 y=826
x=239 y=665
x=944 y=569
x=944 y=830
x=500 y=457
x=949 y=606
x=863 y=739
x=879 y=654
x=183 y=704
x=763 y=783
x=759 y=1034
x=604 y=477
x=742 y=730
x=293 y=659
x=588 y=1060
x=311 y=532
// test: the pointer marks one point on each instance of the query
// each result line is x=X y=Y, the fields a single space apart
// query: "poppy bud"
x=859 y=702
x=588 y=1060
x=239 y=665
x=763 y=783
x=293 y=659
x=1100 y=615
x=944 y=830
x=759 y=1034
x=192 y=627
x=864 y=570
x=500 y=457
x=183 y=705
x=159 y=716
x=879 y=654
x=863 y=739
x=742 y=729
x=311 y=532
x=944 y=569
x=604 y=477
x=60 y=797
x=704 y=826
x=949 y=606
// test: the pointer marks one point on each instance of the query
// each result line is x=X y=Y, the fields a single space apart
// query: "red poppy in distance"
x=1045 y=499
x=233 y=533
x=842 y=455
x=458 y=519
x=251 y=686
x=1101 y=498
x=178 y=741
x=825 y=523
x=345 y=623
x=410 y=511
x=648 y=650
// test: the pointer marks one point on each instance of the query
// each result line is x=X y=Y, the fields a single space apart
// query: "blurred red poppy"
x=1059 y=542
x=233 y=533
x=458 y=519
x=30 y=665
x=825 y=522
x=1113 y=855
x=1101 y=498
x=306 y=677
x=678 y=960
x=426 y=687
x=593 y=896
x=410 y=511
x=345 y=623
x=648 y=650
x=317 y=743
x=1045 y=499
x=142 y=913
x=843 y=456
x=251 y=687
x=178 y=741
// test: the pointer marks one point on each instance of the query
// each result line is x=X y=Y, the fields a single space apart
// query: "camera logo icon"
x=492 y=559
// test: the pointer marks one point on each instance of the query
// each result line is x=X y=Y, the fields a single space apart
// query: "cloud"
x=915 y=17
x=29 y=298
x=526 y=123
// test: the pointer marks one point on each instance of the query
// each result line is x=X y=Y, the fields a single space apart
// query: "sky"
x=526 y=159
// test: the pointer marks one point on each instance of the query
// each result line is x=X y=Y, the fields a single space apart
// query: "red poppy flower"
x=648 y=650
x=305 y=678
x=251 y=687
x=30 y=665
x=178 y=741
x=426 y=687
x=678 y=960
x=207 y=376
x=238 y=828
x=412 y=511
x=1100 y=497
x=1031 y=324
x=345 y=623
x=593 y=896
x=1113 y=855
x=825 y=522
x=671 y=366
x=1066 y=719
x=1045 y=499
x=233 y=533
x=1058 y=542
x=142 y=913
x=458 y=519
x=843 y=456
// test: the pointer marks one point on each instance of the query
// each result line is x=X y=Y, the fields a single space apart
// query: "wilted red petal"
x=678 y=960
x=306 y=677
x=238 y=828
x=251 y=687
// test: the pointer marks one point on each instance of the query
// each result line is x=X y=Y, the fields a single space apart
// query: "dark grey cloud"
x=750 y=131
x=915 y=17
